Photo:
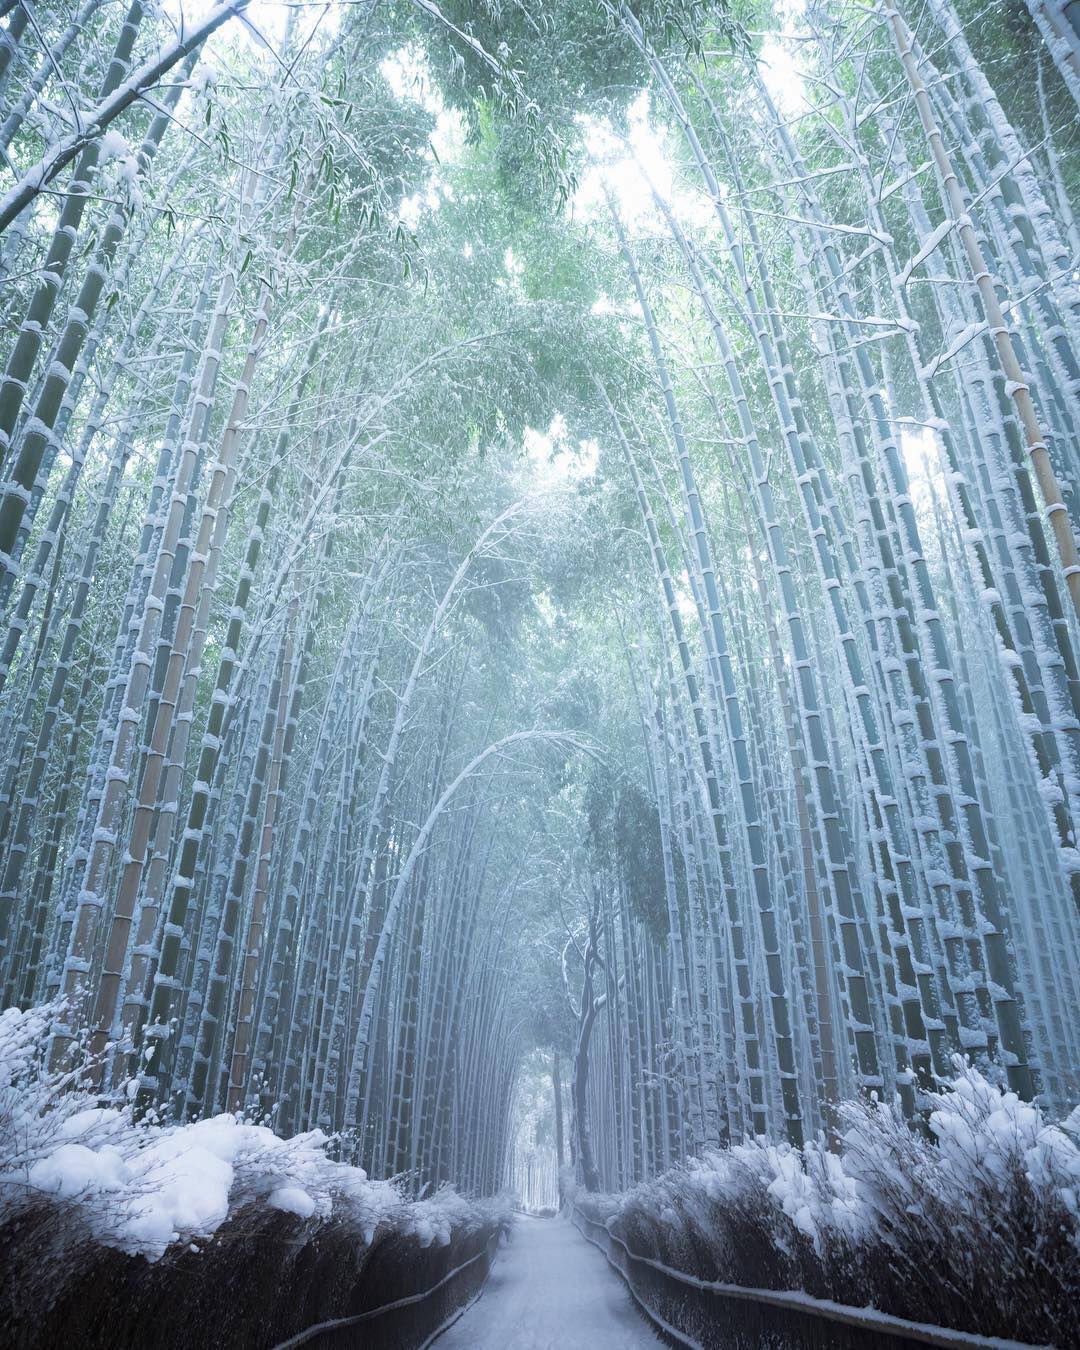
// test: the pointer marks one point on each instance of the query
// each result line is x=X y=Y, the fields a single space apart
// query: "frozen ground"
x=550 y=1290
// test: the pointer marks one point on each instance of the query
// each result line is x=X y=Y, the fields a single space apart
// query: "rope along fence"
x=707 y=1315
x=415 y=1320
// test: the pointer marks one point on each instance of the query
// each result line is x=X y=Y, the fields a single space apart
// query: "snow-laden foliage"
x=141 y=1187
x=973 y=1222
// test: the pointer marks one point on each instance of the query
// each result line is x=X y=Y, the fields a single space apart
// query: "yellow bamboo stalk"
x=1016 y=381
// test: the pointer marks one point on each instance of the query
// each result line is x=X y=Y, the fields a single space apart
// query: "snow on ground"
x=550 y=1290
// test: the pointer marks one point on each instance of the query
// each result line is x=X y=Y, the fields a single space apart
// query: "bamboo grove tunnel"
x=539 y=681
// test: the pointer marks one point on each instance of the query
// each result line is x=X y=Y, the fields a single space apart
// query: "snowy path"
x=550 y=1290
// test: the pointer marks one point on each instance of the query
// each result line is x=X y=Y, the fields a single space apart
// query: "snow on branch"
x=63 y=151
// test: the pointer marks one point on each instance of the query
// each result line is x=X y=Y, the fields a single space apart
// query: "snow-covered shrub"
x=96 y=1198
x=972 y=1224
x=136 y=1187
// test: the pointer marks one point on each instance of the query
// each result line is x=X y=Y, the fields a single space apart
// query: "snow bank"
x=141 y=1187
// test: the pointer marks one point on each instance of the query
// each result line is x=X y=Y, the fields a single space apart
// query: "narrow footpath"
x=549 y=1289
